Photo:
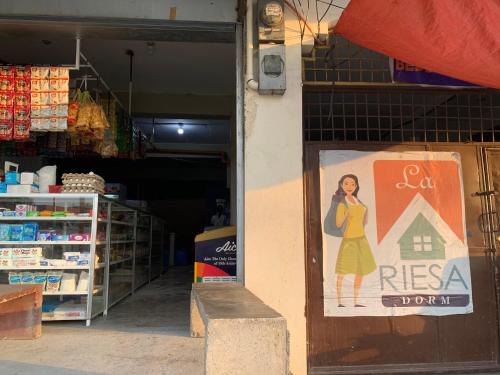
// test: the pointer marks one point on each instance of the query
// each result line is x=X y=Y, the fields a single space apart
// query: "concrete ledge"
x=243 y=336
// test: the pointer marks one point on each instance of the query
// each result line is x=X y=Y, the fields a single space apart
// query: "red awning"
x=457 y=38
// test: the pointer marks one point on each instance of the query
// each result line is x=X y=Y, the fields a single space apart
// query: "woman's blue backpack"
x=330 y=224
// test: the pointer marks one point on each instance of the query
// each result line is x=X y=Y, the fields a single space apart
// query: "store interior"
x=164 y=147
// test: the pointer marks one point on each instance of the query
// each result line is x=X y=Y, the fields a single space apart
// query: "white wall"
x=186 y=10
x=274 y=227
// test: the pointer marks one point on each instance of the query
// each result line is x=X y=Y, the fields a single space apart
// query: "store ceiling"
x=165 y=67
x=205 y=133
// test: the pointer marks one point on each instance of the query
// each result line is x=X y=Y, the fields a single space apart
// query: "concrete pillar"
x=274 y=227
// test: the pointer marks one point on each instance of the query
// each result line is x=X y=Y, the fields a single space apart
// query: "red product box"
x=55 y=189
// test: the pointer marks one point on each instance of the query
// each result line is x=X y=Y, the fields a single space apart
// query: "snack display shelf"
x=45 y=218
x=45 y=242
x=109 y=281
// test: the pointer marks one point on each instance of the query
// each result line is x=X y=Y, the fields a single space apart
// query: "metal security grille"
x=345 y=62
x=384 y=115
x=349 y=96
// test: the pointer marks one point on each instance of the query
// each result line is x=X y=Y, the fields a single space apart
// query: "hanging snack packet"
x=21 y=130
x=39 y=72
x=6 y=131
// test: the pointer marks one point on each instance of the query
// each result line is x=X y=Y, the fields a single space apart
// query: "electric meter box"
x=271 y=21
x=272 y=77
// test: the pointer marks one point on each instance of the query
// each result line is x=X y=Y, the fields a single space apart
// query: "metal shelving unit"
x=126 y=250
x=58 y=304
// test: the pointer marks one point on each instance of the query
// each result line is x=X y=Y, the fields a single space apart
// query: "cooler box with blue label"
x=215 y=256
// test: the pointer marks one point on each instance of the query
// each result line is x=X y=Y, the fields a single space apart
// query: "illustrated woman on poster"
x=355 y=255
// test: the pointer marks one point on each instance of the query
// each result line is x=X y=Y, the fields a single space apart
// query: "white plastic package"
x=68 y=282
x=47 y=176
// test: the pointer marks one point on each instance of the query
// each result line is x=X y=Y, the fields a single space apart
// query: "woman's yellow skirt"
x=355 y=256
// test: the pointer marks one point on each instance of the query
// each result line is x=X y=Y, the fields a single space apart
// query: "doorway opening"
x=167 y=155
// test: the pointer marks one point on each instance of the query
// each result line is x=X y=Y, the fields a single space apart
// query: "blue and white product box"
x=40 y=278
x=44 y=235
x=71 y=256
x=12 y=178
x=84 y=259
x=16 y=232
x=27 y=278
x=4 y=232
x=9 y=213
x=30 y=231
x=3 y=187
x=14 y=278
x=59 y=237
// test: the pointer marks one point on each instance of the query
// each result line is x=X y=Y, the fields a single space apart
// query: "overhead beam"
x=27 y=26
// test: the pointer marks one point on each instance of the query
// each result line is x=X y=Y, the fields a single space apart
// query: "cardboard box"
x=22 y=189
x=26 y=301
x=29 y=178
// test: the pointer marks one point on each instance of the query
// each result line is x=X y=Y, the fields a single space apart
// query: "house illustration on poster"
x=420 y=233
x=422 y=241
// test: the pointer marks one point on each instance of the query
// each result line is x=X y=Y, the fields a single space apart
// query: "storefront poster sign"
x=394 y=238
x=215 y=260
x=406 y=73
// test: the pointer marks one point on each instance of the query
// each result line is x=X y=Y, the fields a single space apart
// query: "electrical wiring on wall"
x=304 y=15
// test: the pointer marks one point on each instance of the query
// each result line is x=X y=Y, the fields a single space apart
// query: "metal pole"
x=130 y=53
x=77 y=57
x=240 y=176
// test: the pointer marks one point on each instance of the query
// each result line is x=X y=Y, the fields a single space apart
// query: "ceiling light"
x=180 y=129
